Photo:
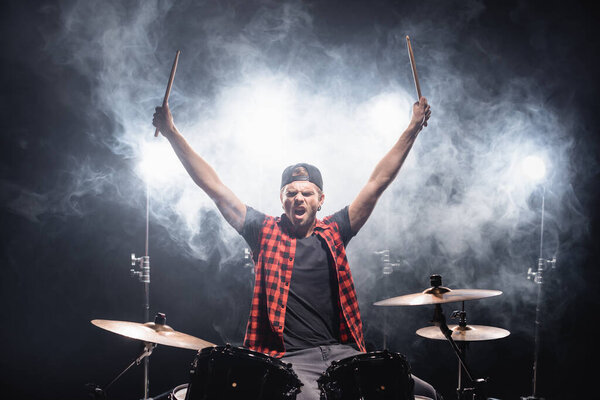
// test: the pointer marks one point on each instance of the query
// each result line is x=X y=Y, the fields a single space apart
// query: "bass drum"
x=380 y=375
x=235 y=373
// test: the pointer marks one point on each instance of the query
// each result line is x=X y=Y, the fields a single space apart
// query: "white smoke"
x=262 y=85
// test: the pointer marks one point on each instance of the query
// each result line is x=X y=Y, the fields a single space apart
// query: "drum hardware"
x=537 y=277
x=97 y=392
x=387 y=265
x=463 y=334
x=150 y=334
x=437 y=295
x=143 y=263
x=143 y=276
x=387 y=268
x=478 y=391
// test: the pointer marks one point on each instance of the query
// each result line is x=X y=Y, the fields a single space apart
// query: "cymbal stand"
x=439 y=320
x=462 y=345
x=99 y=393
x=537 y=277
x=145 y=354
x=143 y=275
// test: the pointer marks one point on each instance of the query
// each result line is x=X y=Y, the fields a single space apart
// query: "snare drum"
x=226 y=372
x=370 y=376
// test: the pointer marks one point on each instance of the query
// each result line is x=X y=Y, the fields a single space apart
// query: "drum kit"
x=227 y=372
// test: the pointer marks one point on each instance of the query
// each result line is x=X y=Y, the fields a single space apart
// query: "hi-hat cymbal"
x=153 y=333
x=469 y=333
x=438 y=295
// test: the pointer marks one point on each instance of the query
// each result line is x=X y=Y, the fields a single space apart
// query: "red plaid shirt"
x=273 y=273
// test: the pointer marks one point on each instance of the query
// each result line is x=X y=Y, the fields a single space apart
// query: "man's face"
x=300 y=200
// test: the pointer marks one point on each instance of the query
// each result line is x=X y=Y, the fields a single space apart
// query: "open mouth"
x=298 y=212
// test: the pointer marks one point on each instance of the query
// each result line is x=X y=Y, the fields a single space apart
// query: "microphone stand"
x=537 y=277
x=143 y=275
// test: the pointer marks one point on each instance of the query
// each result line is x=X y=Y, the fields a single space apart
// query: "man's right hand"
x=163 y=120
x=421 y=114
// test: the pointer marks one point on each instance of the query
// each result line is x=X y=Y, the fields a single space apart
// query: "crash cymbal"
x=153 y=333
x=438 y=295
x=469 y=333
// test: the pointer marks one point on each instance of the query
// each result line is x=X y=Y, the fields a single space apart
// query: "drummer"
x=304 y=308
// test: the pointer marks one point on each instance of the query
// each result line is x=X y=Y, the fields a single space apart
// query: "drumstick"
x=414 y=67
x=168 y=92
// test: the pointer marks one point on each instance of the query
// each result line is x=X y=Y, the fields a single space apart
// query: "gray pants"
x=309 y=364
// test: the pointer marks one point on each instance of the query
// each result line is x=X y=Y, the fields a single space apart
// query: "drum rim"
x=178 y=388
x=235 y=350
x=293 y=382
x=386 y=354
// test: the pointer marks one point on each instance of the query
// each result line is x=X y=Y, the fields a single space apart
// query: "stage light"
x=159 y=162
x=385 y=114
x=534 y=168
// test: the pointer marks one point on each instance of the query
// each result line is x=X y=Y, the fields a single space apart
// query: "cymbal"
x=152 y=333
x=438 y=295
x=469 y=333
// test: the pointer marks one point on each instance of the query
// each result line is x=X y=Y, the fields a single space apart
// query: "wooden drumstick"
x=414 y=67
x=171 y=77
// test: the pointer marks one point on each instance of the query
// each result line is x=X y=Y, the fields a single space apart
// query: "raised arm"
x=201 y=172
x=387 y=169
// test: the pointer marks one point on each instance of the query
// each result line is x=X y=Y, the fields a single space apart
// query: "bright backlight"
x=534 y=168
x=159 y=162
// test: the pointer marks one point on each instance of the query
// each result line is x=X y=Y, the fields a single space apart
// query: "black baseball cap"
x=291 y=174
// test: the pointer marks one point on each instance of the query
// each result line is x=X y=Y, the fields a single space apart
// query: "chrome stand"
x=537 y=277
x=142 y=273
